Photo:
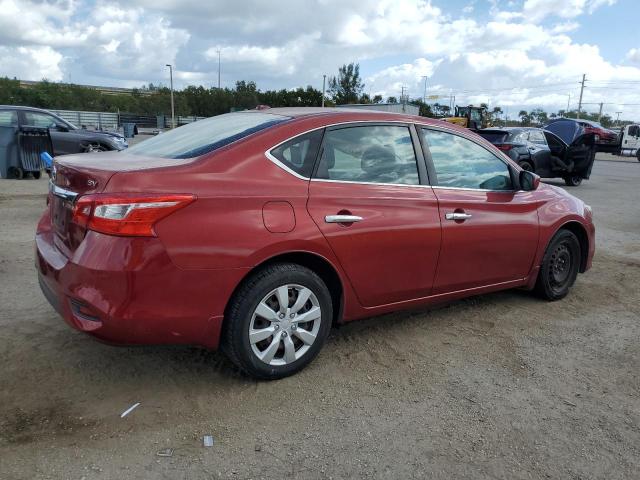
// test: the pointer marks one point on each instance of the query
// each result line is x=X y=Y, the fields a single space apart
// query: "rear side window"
x=461 y=163
x=494 y=137
x=206 y=135
x=369 y=154
x=8 y=118
x=299 y=154
x=536 y=136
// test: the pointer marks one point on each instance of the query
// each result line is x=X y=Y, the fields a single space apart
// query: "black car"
x=545 y=153
x=66 y=137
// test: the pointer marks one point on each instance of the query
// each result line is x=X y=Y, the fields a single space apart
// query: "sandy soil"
x=499 y=386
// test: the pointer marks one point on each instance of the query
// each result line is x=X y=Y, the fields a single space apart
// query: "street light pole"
x=218 y=69
x=324 y=80
x=173 y=112
x=424 y=95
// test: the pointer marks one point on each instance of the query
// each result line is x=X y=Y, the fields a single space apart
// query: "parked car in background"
x=66 y=137
x=257 y=231
x=567 y=128
x=544 y=153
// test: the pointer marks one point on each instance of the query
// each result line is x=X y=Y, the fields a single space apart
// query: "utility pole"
x=173 y=112
x=424 y=95
x=324 y=81
x=600 y=113
x=618 y=117
x=584 y=76
x=568 y=102
x=218 y=69
x=402 y=99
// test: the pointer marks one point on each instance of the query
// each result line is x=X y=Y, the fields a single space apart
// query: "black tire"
x=559 y=267
x=638 y=154
x=16 y=173
x=573 y=181
x=238 y=320
x=526 y=165
x=37 y=174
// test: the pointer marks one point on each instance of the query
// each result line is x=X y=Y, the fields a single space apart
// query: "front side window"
x=369 y=154
x=300 y=153
x=206 y=135
x=41 y=120
x=461 y=163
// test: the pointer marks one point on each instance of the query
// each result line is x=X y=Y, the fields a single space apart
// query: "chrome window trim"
x=61 y=192
x=273 y=159
x=476 y=189
x=327 y=180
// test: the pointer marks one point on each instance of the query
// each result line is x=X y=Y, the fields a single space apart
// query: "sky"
x=516 y=54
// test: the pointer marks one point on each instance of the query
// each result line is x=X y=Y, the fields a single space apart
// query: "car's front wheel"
x=278 y=321
x=573 y=180
x=559 y=267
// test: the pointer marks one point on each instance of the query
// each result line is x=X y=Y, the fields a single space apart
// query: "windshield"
x=207 y=135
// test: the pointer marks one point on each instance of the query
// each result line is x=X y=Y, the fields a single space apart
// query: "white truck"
x=628 y=142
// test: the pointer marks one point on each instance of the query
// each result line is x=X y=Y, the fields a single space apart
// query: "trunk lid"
x=75 y=175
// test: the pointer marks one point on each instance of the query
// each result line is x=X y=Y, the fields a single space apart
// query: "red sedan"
x=256 y=231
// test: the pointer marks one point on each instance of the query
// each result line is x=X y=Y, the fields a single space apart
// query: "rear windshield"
x=494 y=136
x=207 y=135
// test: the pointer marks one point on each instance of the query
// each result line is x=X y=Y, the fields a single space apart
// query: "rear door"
x=489 y=230
x=582 y=153
x=370 y=198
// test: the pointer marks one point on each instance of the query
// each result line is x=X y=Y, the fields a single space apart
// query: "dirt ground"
x=502 y=386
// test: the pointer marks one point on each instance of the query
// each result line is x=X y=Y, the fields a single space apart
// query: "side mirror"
x=529 y=180
x=62 y=128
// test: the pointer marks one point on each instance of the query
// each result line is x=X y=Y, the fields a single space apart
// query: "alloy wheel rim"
x=285 y=324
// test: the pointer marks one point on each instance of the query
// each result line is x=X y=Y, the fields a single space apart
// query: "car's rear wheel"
x=559 y=267
x=278 y=321
x=573 y=180
x=525 y=165
x=16 y=173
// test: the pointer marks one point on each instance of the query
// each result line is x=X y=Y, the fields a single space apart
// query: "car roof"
x=23 y=108
x=331 y=114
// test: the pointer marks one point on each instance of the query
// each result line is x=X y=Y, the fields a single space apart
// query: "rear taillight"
x=505 y=147
x=126 y=214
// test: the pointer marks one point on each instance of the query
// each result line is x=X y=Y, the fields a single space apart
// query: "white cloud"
x=634 y=55
x=536 y=10
x=292 y=43
x=32 y=62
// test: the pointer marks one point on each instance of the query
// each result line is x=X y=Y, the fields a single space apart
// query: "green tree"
x=347 y=87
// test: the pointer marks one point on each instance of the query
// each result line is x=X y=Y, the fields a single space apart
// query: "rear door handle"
x=457 y=216
x=342 y=219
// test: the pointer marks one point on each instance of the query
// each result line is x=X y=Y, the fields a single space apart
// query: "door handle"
x=342 y=219
x=457 y=216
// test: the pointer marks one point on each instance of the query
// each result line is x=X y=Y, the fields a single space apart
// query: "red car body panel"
x=174 y=288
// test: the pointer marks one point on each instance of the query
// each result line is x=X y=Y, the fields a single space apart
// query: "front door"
x=489 y=230
x=381 y=221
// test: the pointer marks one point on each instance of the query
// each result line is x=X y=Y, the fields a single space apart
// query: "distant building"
x=104 y=90
x=386 y=107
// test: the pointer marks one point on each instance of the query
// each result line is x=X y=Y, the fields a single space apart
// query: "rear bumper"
x=127 y=291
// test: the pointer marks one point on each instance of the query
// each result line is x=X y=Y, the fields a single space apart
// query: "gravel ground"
x=499 y=386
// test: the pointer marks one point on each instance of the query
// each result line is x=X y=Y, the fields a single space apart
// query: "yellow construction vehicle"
x=470 y=117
